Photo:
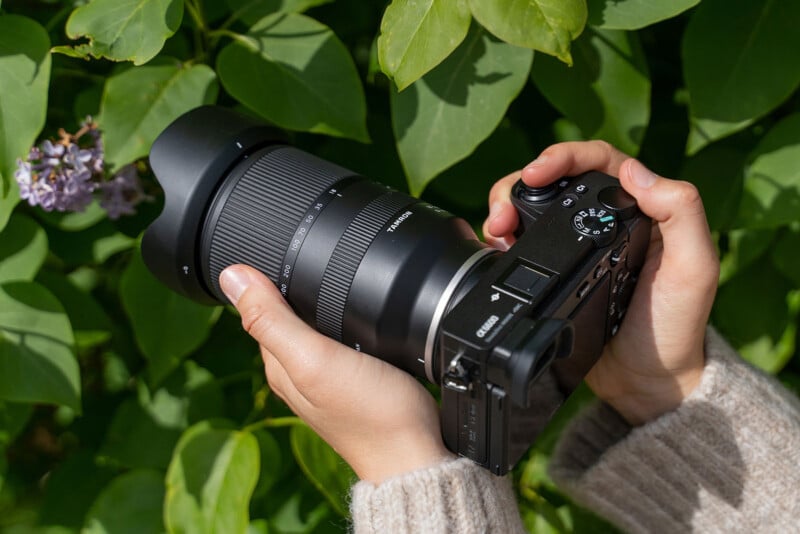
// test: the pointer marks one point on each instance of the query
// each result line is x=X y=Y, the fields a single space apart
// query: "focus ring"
x=254 y=221
x=346 y=258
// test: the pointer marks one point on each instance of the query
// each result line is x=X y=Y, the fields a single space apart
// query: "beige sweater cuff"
x=454 y=496
x=726 y=460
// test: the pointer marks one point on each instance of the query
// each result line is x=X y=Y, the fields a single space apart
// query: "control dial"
x=596 y=223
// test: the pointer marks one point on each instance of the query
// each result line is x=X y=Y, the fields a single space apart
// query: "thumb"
x=678 y=209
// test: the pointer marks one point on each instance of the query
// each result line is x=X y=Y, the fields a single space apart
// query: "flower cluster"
x=64 y=175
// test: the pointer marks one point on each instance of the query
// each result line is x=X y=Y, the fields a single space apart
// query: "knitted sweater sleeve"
x=726 y=460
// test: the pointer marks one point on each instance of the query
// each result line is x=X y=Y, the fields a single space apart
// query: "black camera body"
x=507 y=336
x=522 y=339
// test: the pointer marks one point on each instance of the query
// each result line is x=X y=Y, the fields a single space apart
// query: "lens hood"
x=191 y=158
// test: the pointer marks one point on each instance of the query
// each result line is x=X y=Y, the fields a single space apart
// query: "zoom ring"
x=346 y=257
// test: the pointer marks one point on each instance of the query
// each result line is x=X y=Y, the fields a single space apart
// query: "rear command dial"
x=598 y=224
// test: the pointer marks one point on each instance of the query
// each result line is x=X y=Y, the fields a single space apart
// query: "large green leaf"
x=37 y=363
x=125 y=30
x=140 y=102
x=772 y=180
x=634 y=14
x=765 y=338
x=718 y=173
x=738 y=63
x=443 y=117
x=251 y=11
x=23 y=247
x=326 y=469
x=24 y=79
x=545 y=25
x=167 y=326
x=131 y=503
x=742 y=248
x=606 y=92
x=295 y=72
x=210 y=481
x=417 y=36
x=786 y=254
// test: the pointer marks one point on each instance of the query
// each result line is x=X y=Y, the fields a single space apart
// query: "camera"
x=506 y=336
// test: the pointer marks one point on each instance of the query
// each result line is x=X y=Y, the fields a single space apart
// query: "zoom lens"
x=366 y=265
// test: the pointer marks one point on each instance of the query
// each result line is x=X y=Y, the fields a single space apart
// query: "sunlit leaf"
x=24 y=80
x=634 y=14
x=417 y=36
x=142 y=492
x=37 y=363
x=718 y=173
x=735 y=64
x=23 y=247
x=139 y=103
x=125 y=30
x=309 y=75
x=210 y=481
x=545 y=25
x=326 y=469
x=443 y=117
x=606 y=92
x=772 y=180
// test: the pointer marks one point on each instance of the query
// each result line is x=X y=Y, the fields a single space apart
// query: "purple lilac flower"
x=65 y=175
x=121 y=194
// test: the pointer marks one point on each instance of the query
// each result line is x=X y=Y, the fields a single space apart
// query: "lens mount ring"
x=444 y=304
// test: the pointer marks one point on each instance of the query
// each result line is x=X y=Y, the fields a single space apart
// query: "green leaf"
x=443 y=117
x=140 y=102
x=24 y=79
x=92 y=245
x=13 y=418
x=736 y=63
x=167 y=326
x=786 y=254
x=606 y=92
x=125 y=30
x=744 y=246
x=634 y=14
x=210 y=481
x=326 y=469
x=766 y=338
x=251 y=11
x=37 y=363
x=75 y=220
x=772 y=180
x=417 y=36
x=545 y=25
x=23 y=247
x=270 y=453
x=131 y=503
x=311 y=80
x=718 y=173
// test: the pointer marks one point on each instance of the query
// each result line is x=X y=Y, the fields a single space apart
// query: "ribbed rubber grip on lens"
x=347 y=256
x=259 y=217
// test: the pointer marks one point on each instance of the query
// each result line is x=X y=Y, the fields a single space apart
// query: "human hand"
x=377 y=417
x=657 y=357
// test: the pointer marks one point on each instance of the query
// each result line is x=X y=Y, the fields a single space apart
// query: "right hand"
x=657 y=357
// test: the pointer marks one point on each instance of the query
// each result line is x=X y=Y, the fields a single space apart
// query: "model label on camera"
x=487 y=326
x=397 y=222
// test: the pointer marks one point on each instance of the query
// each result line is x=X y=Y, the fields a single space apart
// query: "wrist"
x=651 y=397
x=383 y=463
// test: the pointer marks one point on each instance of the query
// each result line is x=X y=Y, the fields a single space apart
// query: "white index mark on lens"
x=238 y=144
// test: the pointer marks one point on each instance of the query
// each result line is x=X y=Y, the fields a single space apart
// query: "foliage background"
x=126 y=408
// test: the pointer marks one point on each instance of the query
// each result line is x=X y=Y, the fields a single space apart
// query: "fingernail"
x=641 y=175
x=494 y=211
x=233 y=282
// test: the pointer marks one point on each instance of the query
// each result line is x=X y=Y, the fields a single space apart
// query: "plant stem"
x=249 y=42
x=277 y=422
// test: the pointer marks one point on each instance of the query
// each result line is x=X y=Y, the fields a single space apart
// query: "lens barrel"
x=366 y=265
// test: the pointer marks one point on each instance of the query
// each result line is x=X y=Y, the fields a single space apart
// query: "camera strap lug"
x=457 y=378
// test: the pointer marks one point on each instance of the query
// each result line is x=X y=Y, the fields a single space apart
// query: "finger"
x=678 y=209
x=301 y=351
x=499 y=226
x=572 y=158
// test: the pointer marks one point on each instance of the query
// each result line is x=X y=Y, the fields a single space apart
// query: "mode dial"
x=596 y=223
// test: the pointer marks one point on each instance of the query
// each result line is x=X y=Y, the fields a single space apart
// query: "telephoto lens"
x=362 y=263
